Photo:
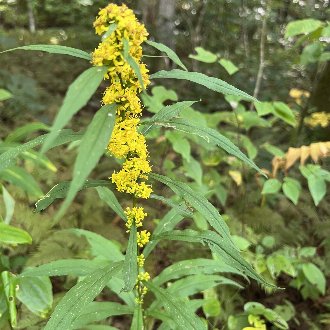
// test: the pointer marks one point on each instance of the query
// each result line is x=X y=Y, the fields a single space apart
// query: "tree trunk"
x=32 y=22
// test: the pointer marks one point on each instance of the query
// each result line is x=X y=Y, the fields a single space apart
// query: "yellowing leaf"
x=236 y=176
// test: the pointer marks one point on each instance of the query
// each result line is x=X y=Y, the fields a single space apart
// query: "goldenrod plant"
x=117 y=130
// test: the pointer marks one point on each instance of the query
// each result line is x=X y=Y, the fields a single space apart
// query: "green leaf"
x=229 y=66
x=36 y=294
x=197 y=201
x=20 y=178
x=63 y=137
x=159 y=94
x=166 y=113
x=211 y=136
x=91 y=149
x=72 y=267
x=61 y=190
x=179 y=144
x=242 y=243
x=112 y=27
x=291 y=189
x=221 y=247
x=271 y=186
x=80 y=296
x=4 y=95
x=181 y=208
x=317 y=188
x=12 y=235
x=311 y=53
x=325 y=56
x=193 y=170
x=54 y=49
x=100 y=246
x=273 y=150
x=282 y=111
x=20 y=133
x=137 y=321
x=130 y=267
x=204 y=55
x=182 y=315
x=303 y=26
x=264 y=108
x=315 y=276
x=192 y=267
x=9 y=205
x=98 y=311
x=77 y=96
x=9 y=289
x=132 y=63
x=39 y=159
x=211 y=83
x=109 y=197
x=168 y=51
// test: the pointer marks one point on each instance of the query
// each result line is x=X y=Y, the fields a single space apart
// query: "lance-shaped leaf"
x=109 y=197
x=9 y=288
x=77 y=96
x=168 y=51
x=211 y=83
x=98 y=311
x=137 y=321
x=199 y=202
x=91 y=149
x=20 y=133
x=61 y=190
x=54 y=49
x=80 y=296
x=219 y=246
x=11 y=154
x=9 y=205
x=166 y=113
x=211 y=136
x=130 y=267
x=182 y=315
x=12 y=235
x=72 y=267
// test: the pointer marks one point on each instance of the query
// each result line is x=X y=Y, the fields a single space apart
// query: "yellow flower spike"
x=143 y=238
x=136 y=215
x=140 y=260
x=145 y=276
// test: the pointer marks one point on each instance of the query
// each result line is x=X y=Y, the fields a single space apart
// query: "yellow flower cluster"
x=118 y=27
x=256 y=322
x=318 y=119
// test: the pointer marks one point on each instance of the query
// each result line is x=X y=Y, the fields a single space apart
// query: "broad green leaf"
x=54 y=49
x=251 y=119
x=277 y=263
x=9 y=289
x=192 y=267
x=211 y=83
x=204 y=55
x=91 y=149
x=100 y=246
x=130 y=267
x=98 y=311
x=194 y=284
x=168 y=51
x=264 y=108
x=181 y=208
x=282 y=111
x=9 y=205
x=229 y=66
x=242 y=243
x=80 y=296
x=112 y=27
x=179 y=144
x=211 y=307
x=291 y=189
x=22 y=132
x=12 y=235
x=61 y=190
x=211 y=136
x=168 y=222
x=36 y=294
x=72 y=267
x=109 y=197
x=193 y=170
x=317 y=188
x=182 y=315
x=271 y=186
x=159 y=94
x=137 y=321
x=273 y=150
x=4 y=95
x=77 y=96
x=252 y=151
x=63 y=137
x=20 y=178
x=315 y=276
x=132 y=63
x=311 y=53
x=221 y=247
x=116 y=285
x=166 y=113
x=199 y=202
x=303 y=26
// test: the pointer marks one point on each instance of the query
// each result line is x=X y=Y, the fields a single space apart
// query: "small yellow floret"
x=143 y=238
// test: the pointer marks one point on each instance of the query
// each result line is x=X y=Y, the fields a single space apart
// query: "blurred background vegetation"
x=242 y=42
